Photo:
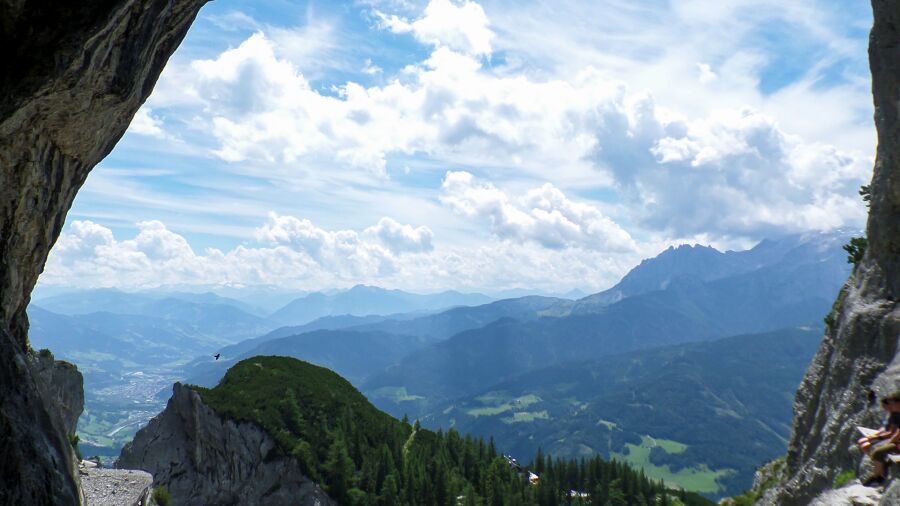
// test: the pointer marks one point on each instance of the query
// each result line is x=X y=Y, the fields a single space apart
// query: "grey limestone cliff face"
x=859 y=351
x=61 y=387
x=205 y=459
x=72 y=76
x=61 y=390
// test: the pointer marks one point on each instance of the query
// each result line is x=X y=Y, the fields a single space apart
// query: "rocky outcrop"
x=61 y=387
x=61 y=390
x=204 y=459
x=859 y=352
x=36 y=465
x=852 y=495
x=71 y=79
x=115 y=487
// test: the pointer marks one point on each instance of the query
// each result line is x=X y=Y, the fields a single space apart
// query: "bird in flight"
x=218 y=355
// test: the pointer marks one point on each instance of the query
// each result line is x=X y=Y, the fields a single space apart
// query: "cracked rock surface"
x=204 y=459
x=115 y=487
x=853 y=495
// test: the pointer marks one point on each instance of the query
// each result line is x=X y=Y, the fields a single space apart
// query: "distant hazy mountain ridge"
x=364 y=300
x=689 y=264
x=791 y=283
x=217 y=318
x=304 y=342
x=353 y=354
x=129 y=346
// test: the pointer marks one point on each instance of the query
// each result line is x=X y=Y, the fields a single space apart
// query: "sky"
x=476 y=146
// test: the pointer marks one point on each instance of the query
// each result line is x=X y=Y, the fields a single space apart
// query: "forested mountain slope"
x=696 y=398
x=356 y=453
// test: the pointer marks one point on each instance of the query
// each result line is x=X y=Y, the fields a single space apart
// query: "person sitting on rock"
x=881 y=443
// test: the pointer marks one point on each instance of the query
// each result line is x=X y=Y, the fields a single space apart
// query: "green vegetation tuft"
x=160 y=496
x=771 y=473
x=865 y=191
x=855 y=249
x=844 y=478
x=836 y=308
x=74 y=440
x=365 y=457
x=748 y=498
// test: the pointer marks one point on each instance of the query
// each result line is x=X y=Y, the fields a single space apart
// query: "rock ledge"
x=115 y=487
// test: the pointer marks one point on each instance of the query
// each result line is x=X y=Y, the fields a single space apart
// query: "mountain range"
x=218 y=319
x=527 y=370
x=427 y=329
x=462 y=360
x=792 y=283
x=132 y=346
x=364 y=300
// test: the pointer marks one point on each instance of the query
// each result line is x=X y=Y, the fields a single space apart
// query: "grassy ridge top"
x=251 y=385
x=294 y=400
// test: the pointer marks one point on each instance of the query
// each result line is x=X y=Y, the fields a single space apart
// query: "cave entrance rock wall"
x=72 y=76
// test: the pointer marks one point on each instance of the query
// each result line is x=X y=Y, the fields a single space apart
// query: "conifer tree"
x=471 y=498
x=539 y=461
x=339 y=471
x=615 y=496
x=390 y=495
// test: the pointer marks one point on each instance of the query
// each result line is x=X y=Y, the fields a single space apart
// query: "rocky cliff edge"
x=859 y=352
x=204 y=459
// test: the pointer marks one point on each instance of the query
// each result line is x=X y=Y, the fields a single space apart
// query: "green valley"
x=697 y=478
x=668 y=410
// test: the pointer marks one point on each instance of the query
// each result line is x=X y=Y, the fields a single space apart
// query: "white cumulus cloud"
x=291 y=251
x=373 y=250
x=737 y=172
x=543 y=215
x=295 y=253
x=670 y=164
x=154 y=255
x=400 y=238
x=144 y=123
x=733 y=172
x=462 y=27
